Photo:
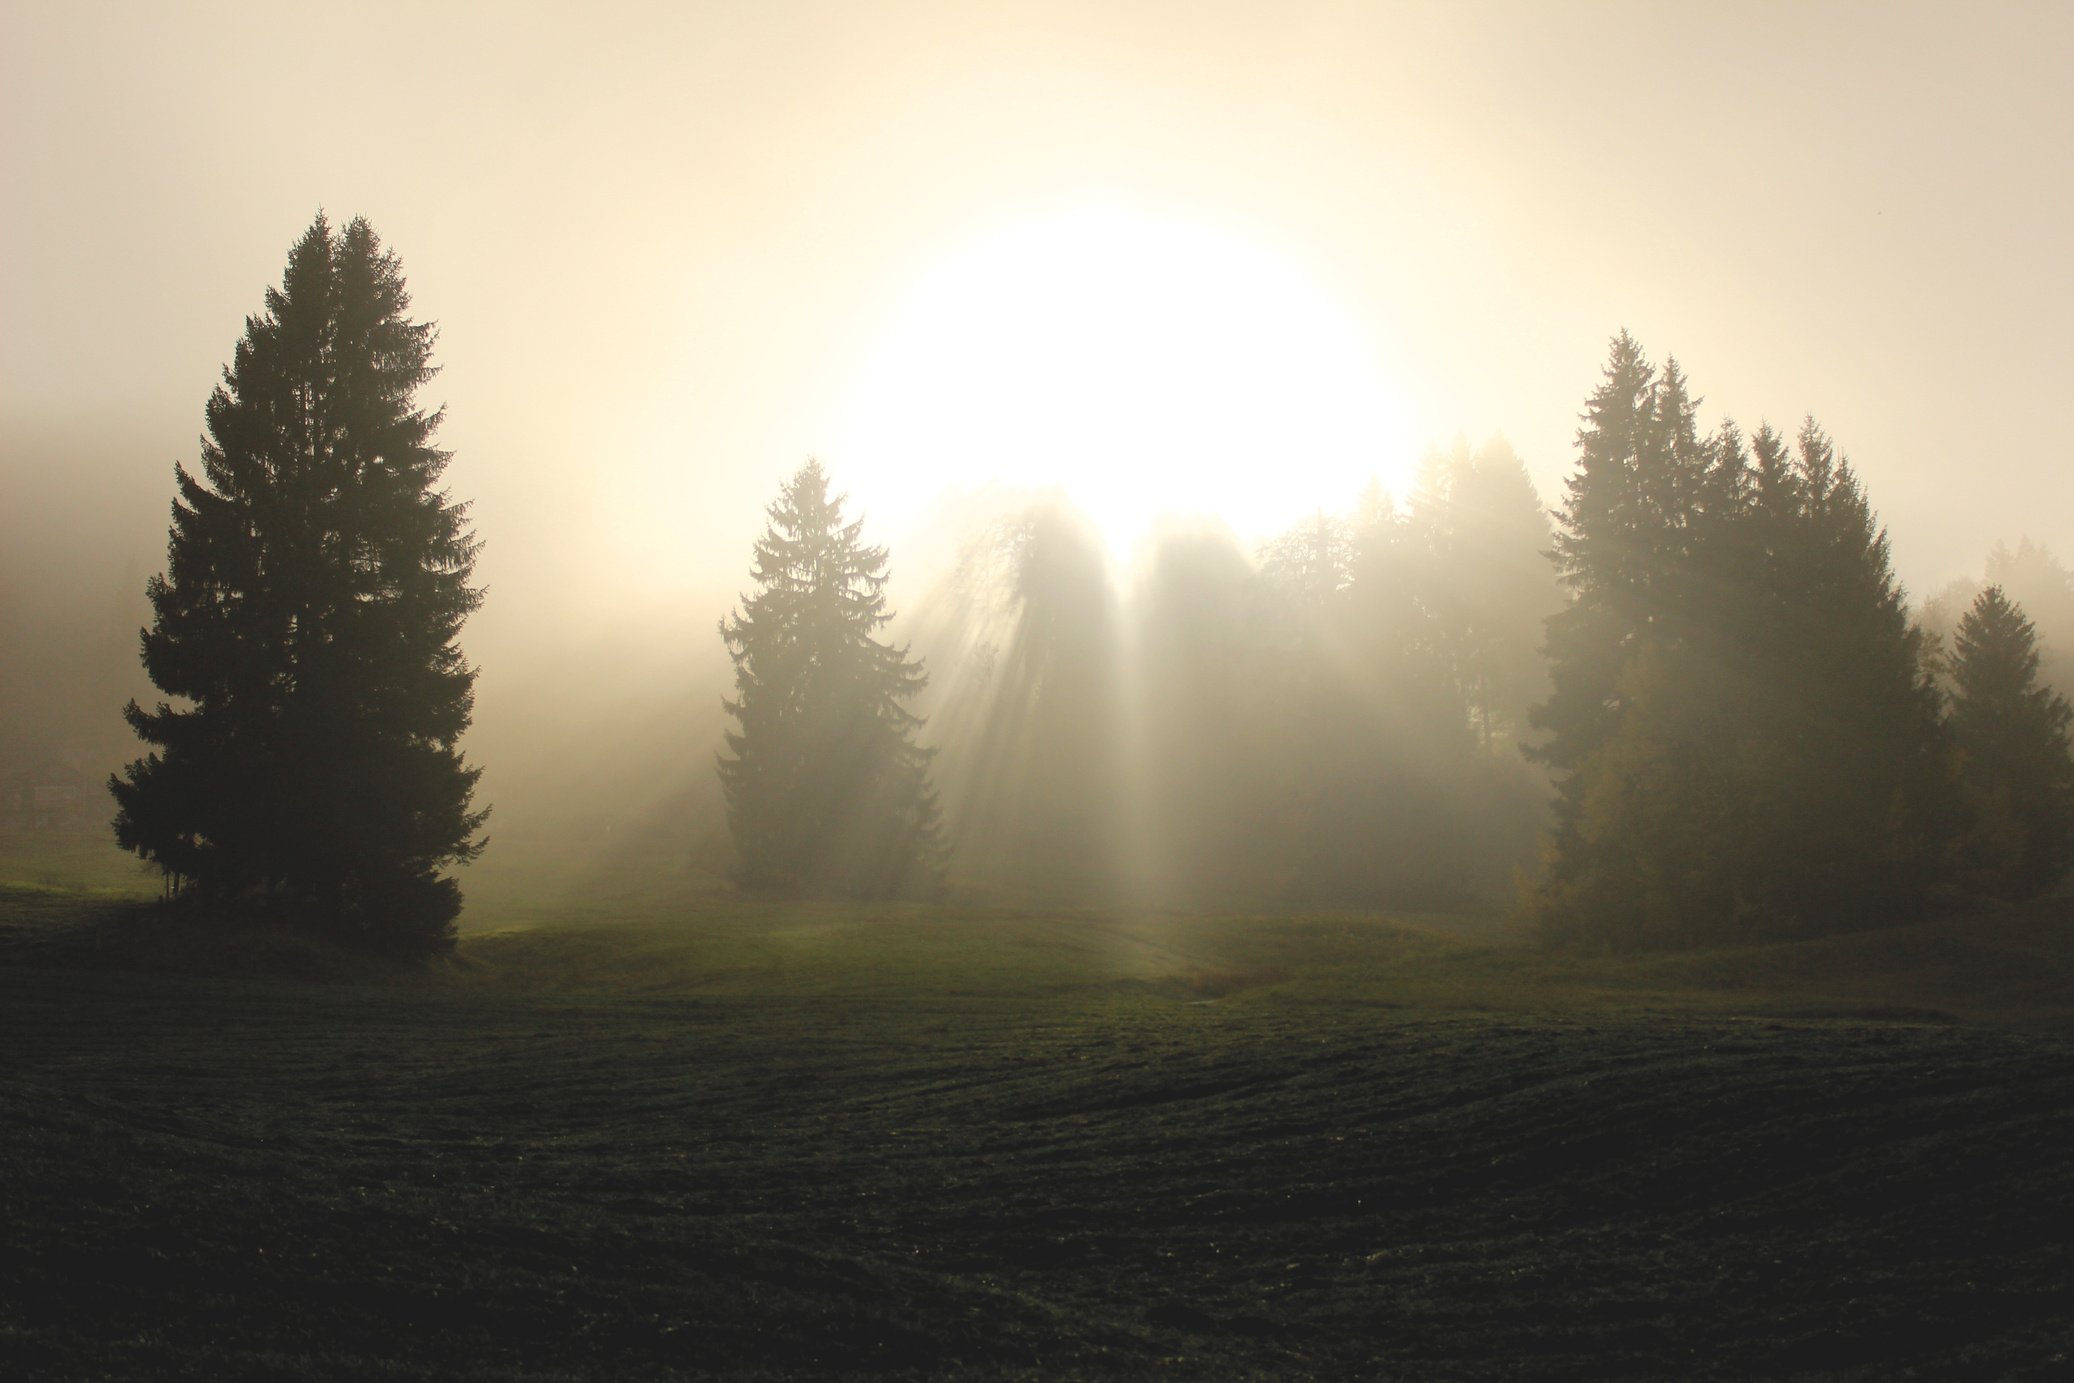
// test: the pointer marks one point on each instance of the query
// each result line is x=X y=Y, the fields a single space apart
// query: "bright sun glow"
x=1145 y=366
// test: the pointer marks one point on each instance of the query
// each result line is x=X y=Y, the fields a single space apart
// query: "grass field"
x=637 y=1133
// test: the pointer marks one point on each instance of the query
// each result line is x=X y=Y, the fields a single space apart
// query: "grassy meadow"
x=643 y=1126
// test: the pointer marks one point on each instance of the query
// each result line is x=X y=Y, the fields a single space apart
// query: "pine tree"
x=316 y=581
x=826 y=788
x=2012 y=734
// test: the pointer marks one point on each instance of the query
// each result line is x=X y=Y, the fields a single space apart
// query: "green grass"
x=74 y=860
x=669 y=1132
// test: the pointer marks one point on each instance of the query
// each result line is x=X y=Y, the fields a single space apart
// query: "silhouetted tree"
x=826 y=788
x=1743 y=726
x=2038 y=582
x=1620 y=537
x=316 y=581
x=2032 y=578
x=2012 y=735
x=1857 y=805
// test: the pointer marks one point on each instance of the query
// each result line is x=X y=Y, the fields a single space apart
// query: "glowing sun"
x=1145 y=366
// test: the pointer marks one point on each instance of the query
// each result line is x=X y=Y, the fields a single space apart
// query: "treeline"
x=1332 y=719
x=1748 y=731
x=1716 y=680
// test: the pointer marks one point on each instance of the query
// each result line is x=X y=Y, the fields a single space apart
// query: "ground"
x=628 y=1135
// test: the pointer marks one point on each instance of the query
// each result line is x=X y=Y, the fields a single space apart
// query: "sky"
x=671 y=249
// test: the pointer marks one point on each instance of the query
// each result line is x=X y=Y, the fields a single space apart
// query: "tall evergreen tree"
x=1612 y=546
x=2012 y=733
x=1617 y=544
x=826 y=787
x=316 y=582
x=1854 y=767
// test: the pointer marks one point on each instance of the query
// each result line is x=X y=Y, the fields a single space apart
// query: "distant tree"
x=2012 y=734
x=316 y=582
x=1389 y=616
x=826 y=788
x=1023 y=651
x=2031 y=577
x=1209 y=777
x=1369 y=768
x=1488 y=580
x=2039 y=582
x=1312 y=561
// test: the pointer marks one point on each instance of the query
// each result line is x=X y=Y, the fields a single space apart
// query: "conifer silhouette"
x=826 y=788
x=316 y=580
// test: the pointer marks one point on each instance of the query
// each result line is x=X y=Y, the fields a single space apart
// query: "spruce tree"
x=1852 y=764
x=316 y=582
x=826 y=787
x=1618 y=540
x=2012 y=734
x=1613 y=545
x=2033 y=578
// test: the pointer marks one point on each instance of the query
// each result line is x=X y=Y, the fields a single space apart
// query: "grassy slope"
x=2013 y=967
x=700 y=1134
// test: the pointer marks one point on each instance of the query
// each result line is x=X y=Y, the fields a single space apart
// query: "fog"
x=664 y=244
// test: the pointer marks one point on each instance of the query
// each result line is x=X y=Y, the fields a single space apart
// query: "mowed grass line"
x=781 y=1141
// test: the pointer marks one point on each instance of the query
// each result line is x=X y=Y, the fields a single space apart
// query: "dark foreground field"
x=1144 y=1152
